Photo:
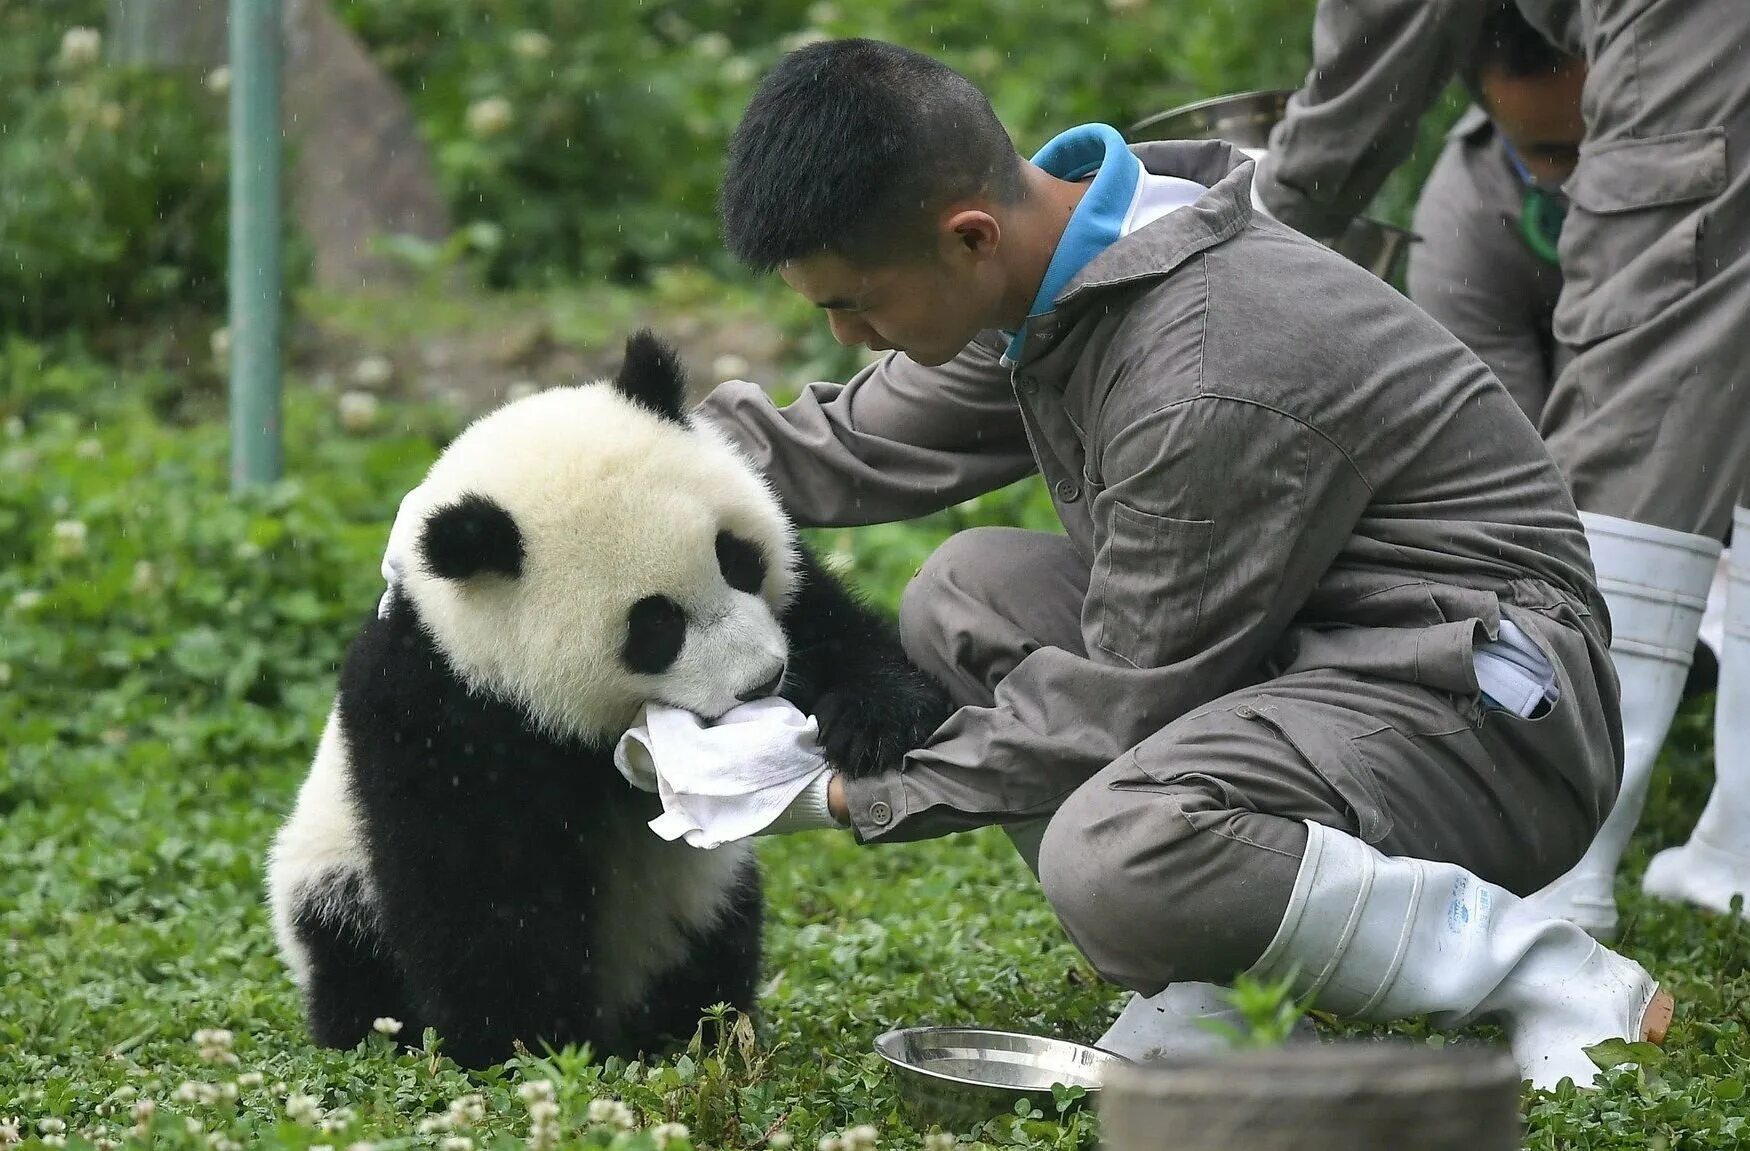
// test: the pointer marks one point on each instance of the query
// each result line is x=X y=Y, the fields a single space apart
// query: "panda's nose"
x=763 y=690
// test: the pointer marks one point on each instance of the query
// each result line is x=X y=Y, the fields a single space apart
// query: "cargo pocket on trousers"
x=1148 y=584
x=1630 y=244
x=1337 y=761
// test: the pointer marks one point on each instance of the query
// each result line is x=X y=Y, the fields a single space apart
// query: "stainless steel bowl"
x=1245 y=119
x=958 y=1076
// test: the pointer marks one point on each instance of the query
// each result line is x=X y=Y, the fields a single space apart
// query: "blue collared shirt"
x=1098 y=220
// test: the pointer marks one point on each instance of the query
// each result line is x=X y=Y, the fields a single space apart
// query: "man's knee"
x=1157 y=884
x=935 y=598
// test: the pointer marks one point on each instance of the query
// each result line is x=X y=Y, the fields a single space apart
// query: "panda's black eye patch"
x=743 y=567
x=657 y=629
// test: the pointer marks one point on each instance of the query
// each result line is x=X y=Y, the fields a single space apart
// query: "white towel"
x=758 y=769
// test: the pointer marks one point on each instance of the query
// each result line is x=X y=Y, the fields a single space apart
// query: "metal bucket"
x=1245 y=119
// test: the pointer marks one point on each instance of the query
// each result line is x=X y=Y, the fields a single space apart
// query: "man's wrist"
x=835 y=800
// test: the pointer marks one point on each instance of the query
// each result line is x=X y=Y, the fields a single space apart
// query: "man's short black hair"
x=850 y=147
x=1509 y=45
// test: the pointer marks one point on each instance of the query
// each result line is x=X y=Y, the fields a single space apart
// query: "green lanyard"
x=1540 y=213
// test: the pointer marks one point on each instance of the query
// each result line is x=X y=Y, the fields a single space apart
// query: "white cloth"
x=398 y=554
x=1515 y=676
x=758 y=769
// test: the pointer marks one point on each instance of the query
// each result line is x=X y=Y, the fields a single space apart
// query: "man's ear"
x=973 y=232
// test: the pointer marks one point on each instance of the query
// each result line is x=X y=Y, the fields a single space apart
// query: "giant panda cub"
x=463 y=854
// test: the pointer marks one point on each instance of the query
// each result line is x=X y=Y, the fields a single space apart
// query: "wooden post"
x=1383 y=1096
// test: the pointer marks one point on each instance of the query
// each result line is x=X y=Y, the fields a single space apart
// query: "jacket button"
x=1245 y=712
x=1066 y=490
x=1028 y=385
x=880 y=812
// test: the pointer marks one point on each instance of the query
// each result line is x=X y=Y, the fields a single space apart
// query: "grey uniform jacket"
x=1473 y=270
x=1268 y=459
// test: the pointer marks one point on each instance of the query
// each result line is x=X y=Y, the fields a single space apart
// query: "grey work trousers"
x=1650 y=418
x=1175 y=862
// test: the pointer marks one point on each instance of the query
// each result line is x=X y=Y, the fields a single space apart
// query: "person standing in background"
x=1648 y=416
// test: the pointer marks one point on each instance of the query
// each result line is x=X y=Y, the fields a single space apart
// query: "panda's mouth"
x=761 y=690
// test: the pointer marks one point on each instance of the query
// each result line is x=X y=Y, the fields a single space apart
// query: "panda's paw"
x=871 y=728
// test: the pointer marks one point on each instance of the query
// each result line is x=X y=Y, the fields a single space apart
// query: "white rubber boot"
x=1715 y=864
x=1378 y=938
x=1655 y=583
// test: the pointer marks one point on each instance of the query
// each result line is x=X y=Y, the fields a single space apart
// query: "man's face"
x=928 y=307
x=1540 y=116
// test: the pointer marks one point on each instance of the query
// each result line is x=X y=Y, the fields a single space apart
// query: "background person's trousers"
x=1176 y=861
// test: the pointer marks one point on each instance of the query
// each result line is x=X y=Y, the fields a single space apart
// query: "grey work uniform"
x=1650 y=419
x=1293 y=503
x=1473 y=270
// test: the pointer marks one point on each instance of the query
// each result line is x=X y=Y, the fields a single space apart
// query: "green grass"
x=163 y=678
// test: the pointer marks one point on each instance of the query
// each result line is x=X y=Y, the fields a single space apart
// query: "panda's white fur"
x=463 y=854
x=659 y=491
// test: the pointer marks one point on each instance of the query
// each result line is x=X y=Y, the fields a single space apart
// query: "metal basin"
x=1245 y=119
x=958 y=1076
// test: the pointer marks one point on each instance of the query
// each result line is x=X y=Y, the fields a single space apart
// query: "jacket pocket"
x=1630 y=244
x=1334 y=756
x=1147 y=584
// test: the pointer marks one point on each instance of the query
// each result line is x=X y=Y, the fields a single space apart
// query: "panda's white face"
x=582 y=554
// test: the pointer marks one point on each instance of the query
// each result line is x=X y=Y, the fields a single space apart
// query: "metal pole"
x=255 y=243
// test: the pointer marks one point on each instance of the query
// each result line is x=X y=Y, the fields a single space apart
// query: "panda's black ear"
x=652 y=375
x=473 y=536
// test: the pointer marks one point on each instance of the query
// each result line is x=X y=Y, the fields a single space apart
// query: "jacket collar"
x=1158 y=249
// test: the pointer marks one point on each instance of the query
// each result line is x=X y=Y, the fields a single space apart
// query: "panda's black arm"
x=848 y=669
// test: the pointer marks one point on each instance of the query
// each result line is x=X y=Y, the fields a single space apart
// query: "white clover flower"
x=543 y=1111
x=939 y=1141
x=80 y=47
x=223 y=1054
x=186 y=1092
x=830 y=1143
x=781 y=1141
x=373 y=372
x=713 y=45
x=219 y=80
x=798 y=40
x=822 y=12
x=250 y=1080
x=322 y=1147
x=193 y=1126
x=386 y=1026
x=51 y=1126
x=54 y=1140
x=1124 y=5
x=361 y=1145
x=358 y=411
x=69 y=537
x=5 y=675
x=221 y=1142
x=470 y=1108
x=739 y=70
x=536 y=1091
x=432 y=1124
x=88 y=449
x=9 y=1132
x=862 y=1137
x=730 y=366
x=456 y=1143
x=219 y=343
x=303 y=1109
x=109 y=115
x=144 y=1110
x=105 y=1143
x=531 y=45
x=28 y=600
x=662 y=1133
x=15 y=427
x=490 y=116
